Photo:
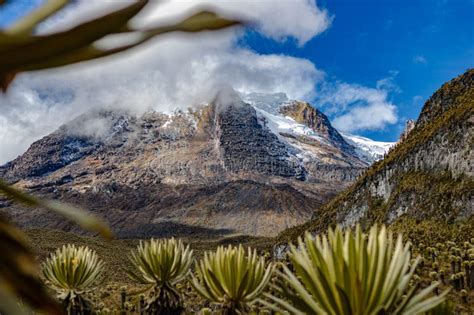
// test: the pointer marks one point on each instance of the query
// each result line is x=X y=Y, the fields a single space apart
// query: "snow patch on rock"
x=367 y=149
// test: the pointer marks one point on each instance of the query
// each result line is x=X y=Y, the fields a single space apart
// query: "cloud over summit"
x=174 y=71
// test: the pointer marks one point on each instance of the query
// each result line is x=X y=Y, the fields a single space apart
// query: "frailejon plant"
x=73 y=272
x=162 y=264
x=231 y=278
x=351 y=273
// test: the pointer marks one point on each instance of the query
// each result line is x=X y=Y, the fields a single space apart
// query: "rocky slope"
x=225 y=168
x=427 y=176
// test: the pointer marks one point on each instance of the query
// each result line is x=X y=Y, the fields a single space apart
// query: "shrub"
x=162 y=263
x=72 y=272
x=351 y=273
x=231 y=278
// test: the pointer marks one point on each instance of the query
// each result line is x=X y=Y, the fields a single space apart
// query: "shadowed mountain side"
x=235 y=207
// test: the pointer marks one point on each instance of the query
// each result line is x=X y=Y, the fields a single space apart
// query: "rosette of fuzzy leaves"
x=72 y=272
x=162 y=264
x=231 y=278
x=351 y=273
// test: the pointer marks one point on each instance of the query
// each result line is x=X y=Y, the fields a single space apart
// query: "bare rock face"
x=218 y=169
x=247 y=146
x=304 y=113
x=409 y=126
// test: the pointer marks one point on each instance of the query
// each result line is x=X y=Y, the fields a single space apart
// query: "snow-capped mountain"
x=226 y=167
x=291 y=117
x=368 y=149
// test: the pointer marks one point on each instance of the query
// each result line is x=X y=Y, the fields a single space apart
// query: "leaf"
x=72 y=269
x=198 y=22
x=81 y=217
x=17 y=55
x=373 y=277
x=76 y=45
x=10 y=304
x=18 y=271
x=228 y=273
x=6 y=79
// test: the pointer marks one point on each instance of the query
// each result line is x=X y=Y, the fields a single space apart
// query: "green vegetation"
x=460 y=106
x=351 y=273
x=72 y=272
x=162 y=263
x=434 y=195
x=443 y=267
x=324 y=274
x=231 y=278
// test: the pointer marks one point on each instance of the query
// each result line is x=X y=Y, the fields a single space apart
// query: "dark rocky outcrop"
x=247 y=146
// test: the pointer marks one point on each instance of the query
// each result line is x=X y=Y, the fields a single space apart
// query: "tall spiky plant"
x=162 y=264
x=351 y=273
x=231 y=278
x=72 y=272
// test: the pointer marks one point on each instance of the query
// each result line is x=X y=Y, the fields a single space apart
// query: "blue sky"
x=416 y=45
x=426 y=42
x=11 y=11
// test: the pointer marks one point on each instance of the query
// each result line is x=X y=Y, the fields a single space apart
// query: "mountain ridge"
x=427 y=176
x=220 y=167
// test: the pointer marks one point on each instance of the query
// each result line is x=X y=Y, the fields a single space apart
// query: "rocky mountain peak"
x=446 y=97
x=306 y=114
x=409 y=126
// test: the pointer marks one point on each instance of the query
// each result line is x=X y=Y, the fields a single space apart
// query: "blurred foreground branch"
x=21 y=50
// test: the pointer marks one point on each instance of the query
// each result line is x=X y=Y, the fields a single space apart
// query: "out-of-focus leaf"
x=9 y=303
x=76 y=45
x=17 y=52
x=19 y=274
x=6 y=79
x=27 y=24
x=37 y=48
x=81 y=217
x=198 y=22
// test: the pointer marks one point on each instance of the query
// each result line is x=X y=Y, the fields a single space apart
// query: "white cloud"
x=388 y=83
x=354 y=108
x=174 y=71
x=417 y=99
x=420 y=59
x=282 y=19
x=372 y=116
x=179 y=71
